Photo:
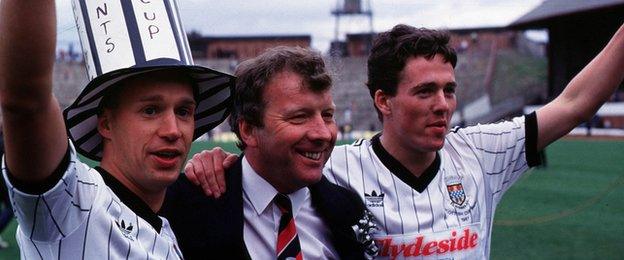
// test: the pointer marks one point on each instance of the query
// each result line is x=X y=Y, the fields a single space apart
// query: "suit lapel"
x=232 y=207
x=338 y=207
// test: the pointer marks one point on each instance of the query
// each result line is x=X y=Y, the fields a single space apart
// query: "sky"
x=292 y=17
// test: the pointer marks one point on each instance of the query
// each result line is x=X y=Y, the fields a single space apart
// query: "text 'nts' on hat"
x=121 y=39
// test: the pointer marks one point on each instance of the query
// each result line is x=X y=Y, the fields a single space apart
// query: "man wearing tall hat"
x=145 y=104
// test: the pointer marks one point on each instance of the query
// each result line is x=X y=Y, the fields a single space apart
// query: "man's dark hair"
x=393 y=48
x=252 y=77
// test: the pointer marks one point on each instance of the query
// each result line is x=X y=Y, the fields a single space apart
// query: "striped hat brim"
x=213 y=93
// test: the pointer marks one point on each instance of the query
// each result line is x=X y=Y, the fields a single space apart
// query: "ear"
x=248 y=133
x=103 y=125
x=383 y=102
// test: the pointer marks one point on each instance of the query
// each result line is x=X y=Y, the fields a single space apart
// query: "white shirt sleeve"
x=500 y=149
x=62 y=209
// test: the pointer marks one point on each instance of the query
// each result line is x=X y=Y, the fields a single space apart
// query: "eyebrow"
x=151 y=98
x=189 y=101
x=433 y=84
x=158 y=98
x=305 y=109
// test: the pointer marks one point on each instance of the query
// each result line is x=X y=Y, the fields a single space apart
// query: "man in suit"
x=277 y=203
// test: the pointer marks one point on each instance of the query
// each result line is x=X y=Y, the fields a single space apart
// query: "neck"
x=153 y=199
x=415 y=161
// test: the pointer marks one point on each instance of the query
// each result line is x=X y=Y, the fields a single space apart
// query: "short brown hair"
x=393 y=48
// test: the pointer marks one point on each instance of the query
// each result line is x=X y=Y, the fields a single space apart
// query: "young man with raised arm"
x=139 y=121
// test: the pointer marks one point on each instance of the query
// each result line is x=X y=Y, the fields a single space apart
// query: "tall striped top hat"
x=123 y=38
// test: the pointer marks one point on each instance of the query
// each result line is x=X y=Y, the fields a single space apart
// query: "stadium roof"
x=194 y=36
x=451 y=30
x=552 y=9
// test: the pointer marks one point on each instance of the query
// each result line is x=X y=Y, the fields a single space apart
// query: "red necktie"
x=287 y=238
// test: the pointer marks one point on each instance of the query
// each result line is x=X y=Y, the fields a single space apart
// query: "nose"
x=322 y=130
x=169 y=128
x=440 y=104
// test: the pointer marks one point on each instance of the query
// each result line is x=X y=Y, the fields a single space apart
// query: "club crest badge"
x=456 y=191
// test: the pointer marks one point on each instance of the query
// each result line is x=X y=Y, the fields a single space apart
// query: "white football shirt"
x=82 y=218
x=448 y=211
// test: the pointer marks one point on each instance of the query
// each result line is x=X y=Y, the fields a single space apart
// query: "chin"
x=439 y=146
x=168 y=175
x=436 y=146
x=311 y=178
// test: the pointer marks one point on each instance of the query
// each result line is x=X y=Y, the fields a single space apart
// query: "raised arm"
x=34 y=131
x=585 y=94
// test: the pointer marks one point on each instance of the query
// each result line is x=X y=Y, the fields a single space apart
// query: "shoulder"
x=183 y=187
x=183 y=195
x=492 y=128
x=480 y=132
x=325 y=188
x=358 y=145
x=182 y=198
x=347 y=153
x=204 y=224
x=330 y=198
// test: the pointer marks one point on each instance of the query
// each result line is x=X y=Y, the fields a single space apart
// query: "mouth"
x=167 y=158
x=167 y=154
x=438 y=124
x=312 y=155
x=438 y=127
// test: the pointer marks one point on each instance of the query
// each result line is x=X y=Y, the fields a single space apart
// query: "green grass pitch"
x=573 y=209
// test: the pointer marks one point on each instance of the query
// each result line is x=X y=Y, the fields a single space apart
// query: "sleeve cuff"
x=38 y=188
x=530 y=127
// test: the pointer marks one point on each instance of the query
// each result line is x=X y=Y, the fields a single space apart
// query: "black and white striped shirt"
x=448 y=211
x=86 y=216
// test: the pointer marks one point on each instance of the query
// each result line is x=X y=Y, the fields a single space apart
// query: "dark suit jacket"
x=208 y=228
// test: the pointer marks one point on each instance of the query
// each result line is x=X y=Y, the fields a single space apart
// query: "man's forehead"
x=425 y=69
x=149 y=90
x=158 y=97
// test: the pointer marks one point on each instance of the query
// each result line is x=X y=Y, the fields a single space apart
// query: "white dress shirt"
x=262 y=219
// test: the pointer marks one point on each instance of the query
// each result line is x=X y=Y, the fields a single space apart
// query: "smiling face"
x=417 y=118
x=148 y=133
x=298 y=135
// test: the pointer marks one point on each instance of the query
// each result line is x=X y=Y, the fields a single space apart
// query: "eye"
x=150 y=110
x=185 y=111
x=328 y=115
x=424 y=92
x=449 y=90
x=298 y=118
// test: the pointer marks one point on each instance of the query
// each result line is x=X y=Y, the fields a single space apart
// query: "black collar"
x=131 y=200
x=417 y=183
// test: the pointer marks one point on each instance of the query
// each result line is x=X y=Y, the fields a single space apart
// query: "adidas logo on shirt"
x=373 y=200
x=126 y=231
